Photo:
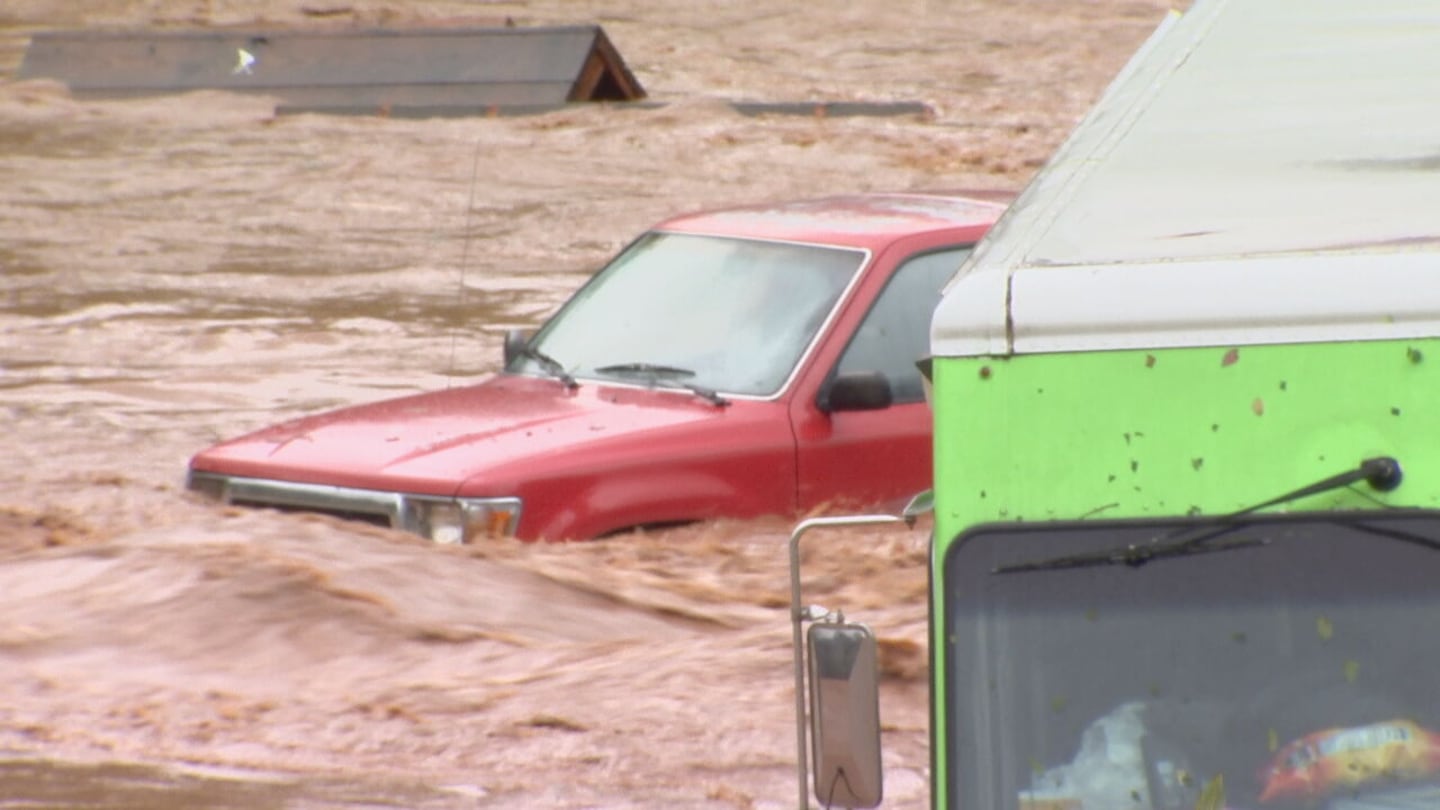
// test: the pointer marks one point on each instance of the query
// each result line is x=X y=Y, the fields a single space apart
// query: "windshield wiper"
x=549 y=364
x=708 y=394
x=1133 y=555
x=1382 y=474
x=1394 y=534
x=654 y=373
x=651 y=370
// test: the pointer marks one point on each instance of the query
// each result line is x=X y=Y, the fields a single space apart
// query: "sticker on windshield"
x=1325 y=762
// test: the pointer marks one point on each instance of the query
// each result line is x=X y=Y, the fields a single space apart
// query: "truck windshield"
x=731 y=315
x=1291 y=667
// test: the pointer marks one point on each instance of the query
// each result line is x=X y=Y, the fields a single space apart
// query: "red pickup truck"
x=738 y=363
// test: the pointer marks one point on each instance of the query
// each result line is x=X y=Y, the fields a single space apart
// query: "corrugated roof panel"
x=341 y=69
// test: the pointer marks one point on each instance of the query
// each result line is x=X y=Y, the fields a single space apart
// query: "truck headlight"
x=462 y=520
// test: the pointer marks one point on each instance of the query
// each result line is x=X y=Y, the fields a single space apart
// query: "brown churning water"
x=180 y=269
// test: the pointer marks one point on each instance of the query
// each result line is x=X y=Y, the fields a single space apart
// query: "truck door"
x=881 y=456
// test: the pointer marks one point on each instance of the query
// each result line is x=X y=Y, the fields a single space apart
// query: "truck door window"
x=895 y=333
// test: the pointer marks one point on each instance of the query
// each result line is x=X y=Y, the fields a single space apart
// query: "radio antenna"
x=464 y=262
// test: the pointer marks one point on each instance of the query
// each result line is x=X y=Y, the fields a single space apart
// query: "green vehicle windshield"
x=1284 y=662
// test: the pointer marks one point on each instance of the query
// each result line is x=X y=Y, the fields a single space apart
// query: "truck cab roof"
x=1254 y=175
x=856 y=220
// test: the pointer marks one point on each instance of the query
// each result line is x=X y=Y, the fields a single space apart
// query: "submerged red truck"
x=746 y=362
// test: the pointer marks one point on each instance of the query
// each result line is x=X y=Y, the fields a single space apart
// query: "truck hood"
x=434 y=443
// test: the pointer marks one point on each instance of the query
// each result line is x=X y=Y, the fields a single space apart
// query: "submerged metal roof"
x=1262 y=171
x=451 y=71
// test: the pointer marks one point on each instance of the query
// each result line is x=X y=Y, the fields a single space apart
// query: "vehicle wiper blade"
x=1381 y=473
x=654 y=373
x=651 y=370
x=1135 y=554
x=551 y=366
x=1395 y=534
x=708 y=394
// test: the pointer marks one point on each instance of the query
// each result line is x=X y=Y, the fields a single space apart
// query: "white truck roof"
x=1262 y=171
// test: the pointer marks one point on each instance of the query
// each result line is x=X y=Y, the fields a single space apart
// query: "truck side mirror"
x=857 y=391
x=845 y=714
x=515 y=341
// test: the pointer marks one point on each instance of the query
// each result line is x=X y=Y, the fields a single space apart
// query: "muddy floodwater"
x=179 y=269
